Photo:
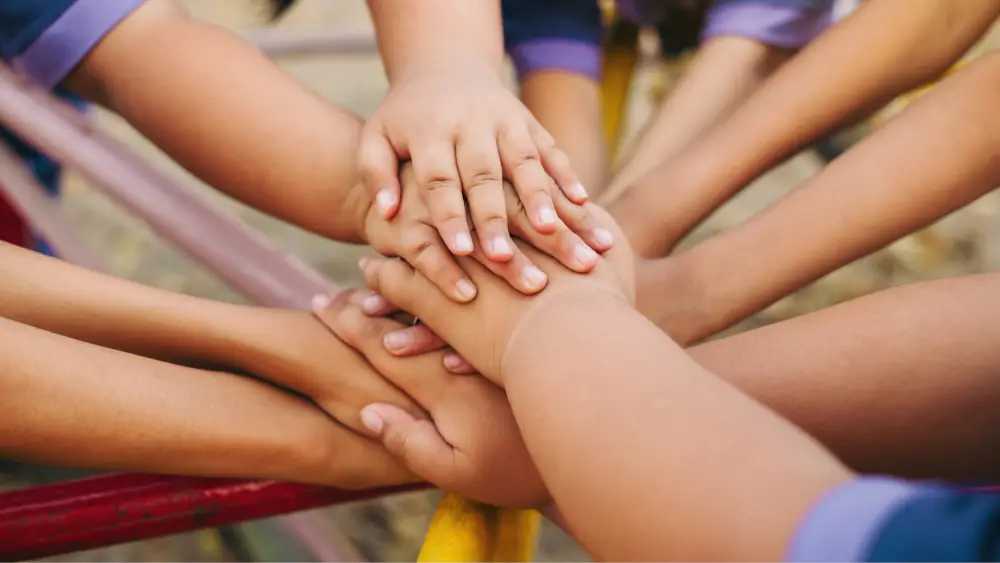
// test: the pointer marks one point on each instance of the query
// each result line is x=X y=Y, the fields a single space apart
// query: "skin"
x=449 y=112
x=297 y=164
x=877 y=53
x=938 y=156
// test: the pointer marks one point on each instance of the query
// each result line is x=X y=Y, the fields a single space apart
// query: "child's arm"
x=939 y=156
x=885 y=48
x=449 y=112
x=288 y=348
x=224 y=111
x=70 y=403
x=648 y=455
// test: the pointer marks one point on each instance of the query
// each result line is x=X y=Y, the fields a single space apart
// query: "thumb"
x=379 y=168
x=417 y=442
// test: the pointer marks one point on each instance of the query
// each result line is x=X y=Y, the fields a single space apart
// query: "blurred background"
x=393 y=528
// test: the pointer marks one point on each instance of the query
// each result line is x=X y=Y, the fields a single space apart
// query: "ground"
x=392 y=529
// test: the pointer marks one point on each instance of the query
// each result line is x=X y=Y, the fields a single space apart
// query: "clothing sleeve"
x=880 y=519
x=553 y=35
x=786 y=24
x=46 y=39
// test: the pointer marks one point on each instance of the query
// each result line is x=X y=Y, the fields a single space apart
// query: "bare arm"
x=75 y=404
x=231 y=117
x=887 y=47
x=938 y=157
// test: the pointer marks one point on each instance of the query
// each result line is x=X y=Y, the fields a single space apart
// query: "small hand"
x=465 y=132
x=413 y=237
x=470 y=446
x=480 y=330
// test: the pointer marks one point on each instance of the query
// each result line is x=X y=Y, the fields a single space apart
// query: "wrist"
x=448 y=64
x=358 y=204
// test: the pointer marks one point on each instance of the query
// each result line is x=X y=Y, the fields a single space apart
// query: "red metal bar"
x=279 y=43
x=101 y=511
x=241 y=257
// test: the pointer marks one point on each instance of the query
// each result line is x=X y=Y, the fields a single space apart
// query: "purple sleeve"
x=54 y=54
x=845 y=523
x=568 y=55
x=783 y=26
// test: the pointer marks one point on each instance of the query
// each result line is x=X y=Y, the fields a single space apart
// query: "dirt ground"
x=392 y=529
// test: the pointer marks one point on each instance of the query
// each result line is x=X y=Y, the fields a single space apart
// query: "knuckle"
x=481 y=179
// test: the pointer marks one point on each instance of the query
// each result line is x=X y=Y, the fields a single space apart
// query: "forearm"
x=939 y=157
x=438 y=33
x=658 y=442
x=898 y=382
x=856 y=67
x=723 y=74
x=74 y=404
x=230 y=116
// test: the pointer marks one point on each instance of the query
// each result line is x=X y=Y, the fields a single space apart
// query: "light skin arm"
x=937 y=157
x=859 y=65
x=724 y=73
x=70 y=403
x=230 y=116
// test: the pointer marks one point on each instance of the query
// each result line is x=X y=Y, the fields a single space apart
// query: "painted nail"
x=533 y=277
x=371 y=420
x=385 y=199
x=547 y=216
x=584 y=255
x=465 y=289
x=500 y=246
x=397 y=340
x=578 y=191
x=321 y=302
x=603 y=237
x=463 y=242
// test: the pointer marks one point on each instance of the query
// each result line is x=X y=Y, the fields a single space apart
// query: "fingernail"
x=584 y=255
x=603 y=237
x=463 y=242
x=372 y=421
x=453 y=361
x=465 y=289
x=385 y=199
x=533 y=277
x=547 y=216
x=373 y=303
x=499 y=245
x=321 y=302
x=397 y=340
x=363 y=261
x=578 y=191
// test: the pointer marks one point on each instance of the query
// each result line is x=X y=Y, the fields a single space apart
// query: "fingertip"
x=465 y=290
x=584 y=257
x=461 y=244
x=321 y=302
x=534 y=279
x=603 y=238
x=576 y=193
x=499 y=248
x=387 y=201
x=372 y=420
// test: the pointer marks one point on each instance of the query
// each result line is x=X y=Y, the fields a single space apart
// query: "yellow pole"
x=465 y=531
x=620 y=59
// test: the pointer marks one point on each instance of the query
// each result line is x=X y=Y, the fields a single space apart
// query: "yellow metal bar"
x=465 y=531
x=899 y=104
x=620 y=59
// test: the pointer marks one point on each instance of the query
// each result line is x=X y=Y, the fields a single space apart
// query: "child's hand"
x=480 y=331
x=465 y=132
x=472 y=447
x=296 y=351
x=413 y=237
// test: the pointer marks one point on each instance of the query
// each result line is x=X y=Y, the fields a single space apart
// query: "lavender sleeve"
x=844 y=525
x=64 y=43
x=783 y=24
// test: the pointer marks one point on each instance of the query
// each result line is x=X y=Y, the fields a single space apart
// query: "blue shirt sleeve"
x=46 y=39
x=553 y=35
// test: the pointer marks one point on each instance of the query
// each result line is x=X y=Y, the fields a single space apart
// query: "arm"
x=941 y=155
x=229 y=115
x=74 y=404
x=862 y=63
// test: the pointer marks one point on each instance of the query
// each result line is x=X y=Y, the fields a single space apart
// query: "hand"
x=463 y=130
x=296 y=351
x=472 y=447
x=412 y=236
x=480 y=331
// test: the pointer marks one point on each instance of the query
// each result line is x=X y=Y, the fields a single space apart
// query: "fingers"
x=482 y=180
x=562 y=244
x=522 y=165
x=519 y=272
x=399 y=283
x=441 y=187
x=422 y=248
x=556 y=163
x=457 y=364
x=379 y=168
x=416 y=442
x=581 y=219
x=412 y=341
